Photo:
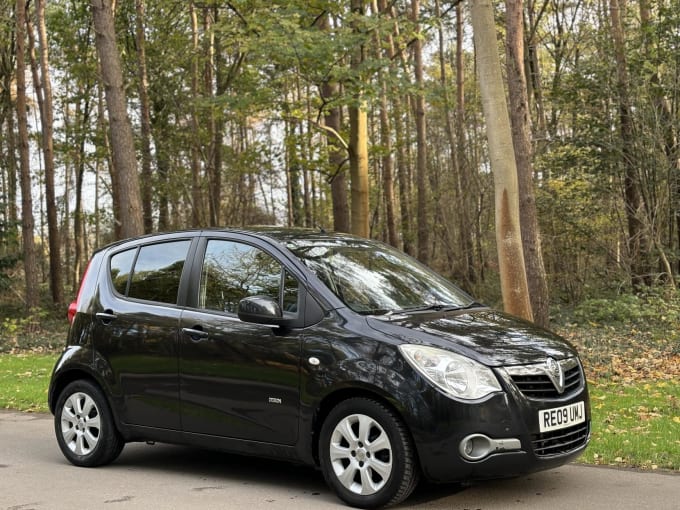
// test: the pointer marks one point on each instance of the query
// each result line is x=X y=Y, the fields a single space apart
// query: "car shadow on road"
x=209 y=463
x=213 y=470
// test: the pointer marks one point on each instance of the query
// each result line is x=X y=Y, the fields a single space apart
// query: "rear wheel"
x=84 y=426
x=367 y=455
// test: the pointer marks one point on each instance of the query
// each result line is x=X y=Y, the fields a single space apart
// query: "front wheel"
x=367 y=455
x=84 y=426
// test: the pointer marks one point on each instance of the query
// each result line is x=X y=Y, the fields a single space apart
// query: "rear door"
x=239 y=380
x=136 y=331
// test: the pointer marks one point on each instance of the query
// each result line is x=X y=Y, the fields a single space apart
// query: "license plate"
x=561 y=417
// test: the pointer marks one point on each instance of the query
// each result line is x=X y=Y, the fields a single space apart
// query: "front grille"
x=559 y=442
x=534 y=382
x=540 y=386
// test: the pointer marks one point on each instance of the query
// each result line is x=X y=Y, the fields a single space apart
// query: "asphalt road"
x=34 y=475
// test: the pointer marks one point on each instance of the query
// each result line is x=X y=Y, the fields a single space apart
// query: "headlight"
x=456 y=375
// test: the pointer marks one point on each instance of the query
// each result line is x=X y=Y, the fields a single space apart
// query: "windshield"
x=373 y=278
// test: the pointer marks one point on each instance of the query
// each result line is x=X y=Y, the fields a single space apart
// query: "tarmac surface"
x=35 y=475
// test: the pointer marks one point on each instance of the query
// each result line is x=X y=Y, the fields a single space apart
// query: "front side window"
x=157 y=272
x=233 y=271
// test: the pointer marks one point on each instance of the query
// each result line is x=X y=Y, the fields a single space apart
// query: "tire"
x=366 y=454
x=84 y=426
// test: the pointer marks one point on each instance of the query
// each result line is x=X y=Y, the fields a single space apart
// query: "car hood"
x=490 y=337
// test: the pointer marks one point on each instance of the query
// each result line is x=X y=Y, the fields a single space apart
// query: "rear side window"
x=156 y=273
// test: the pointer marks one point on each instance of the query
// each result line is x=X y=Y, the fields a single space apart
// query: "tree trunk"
x=521 y=137
x=386 y=141
x=196 y=195
x=468 y=223
x=336 y=161
x=421 y=141
x=358 y=164
x=669 y=140
x=463 y=259
x=400 y=135
x=115 y=189
x=638 y=239
x=358 y=146
x=32 y=298
x=145 y=116
x=122 y=141
x=295 y=213
x=534 y=82
x=508 y=234
x=78 y=224
x=47 y=121
x=11 y=166
x=218 y=135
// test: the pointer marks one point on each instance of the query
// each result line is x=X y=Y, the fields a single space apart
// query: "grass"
x=24 y=379
x=635 y=426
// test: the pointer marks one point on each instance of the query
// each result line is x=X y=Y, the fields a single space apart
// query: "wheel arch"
x=340 y=395
x=65 y=378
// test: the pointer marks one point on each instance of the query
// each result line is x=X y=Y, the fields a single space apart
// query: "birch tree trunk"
x=501 y=153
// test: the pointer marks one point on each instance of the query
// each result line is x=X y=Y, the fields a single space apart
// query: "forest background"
x=355 y=116
x=384 y=118
x=361 y=116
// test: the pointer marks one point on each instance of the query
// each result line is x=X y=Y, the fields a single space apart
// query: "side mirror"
x=260 y=310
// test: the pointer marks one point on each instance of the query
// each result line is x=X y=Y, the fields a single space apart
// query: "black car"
x=318 y=348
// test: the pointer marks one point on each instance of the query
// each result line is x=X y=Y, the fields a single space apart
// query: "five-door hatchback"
x=323 y=349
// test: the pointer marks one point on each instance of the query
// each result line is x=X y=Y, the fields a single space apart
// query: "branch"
x=332 y=132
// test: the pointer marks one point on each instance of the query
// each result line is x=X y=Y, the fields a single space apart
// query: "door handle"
x=106 y=317
x=195 y=334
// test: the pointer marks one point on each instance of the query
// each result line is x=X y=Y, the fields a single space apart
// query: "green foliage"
x=40 y=330
x=10 y=253
x=656 y=312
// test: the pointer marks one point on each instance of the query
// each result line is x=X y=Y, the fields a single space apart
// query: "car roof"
x=277 y=233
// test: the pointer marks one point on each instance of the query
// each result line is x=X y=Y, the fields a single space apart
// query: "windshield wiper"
x=436 y=307
x=473 y=304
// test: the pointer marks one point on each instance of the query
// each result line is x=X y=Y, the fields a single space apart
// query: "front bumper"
x=441 y=424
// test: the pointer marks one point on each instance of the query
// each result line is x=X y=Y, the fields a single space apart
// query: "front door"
x=239 y=380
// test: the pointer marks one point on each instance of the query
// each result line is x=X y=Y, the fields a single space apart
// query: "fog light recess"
x=478 y=446
x=475 y=447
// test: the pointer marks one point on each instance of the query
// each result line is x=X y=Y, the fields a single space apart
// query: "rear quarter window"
x=121 y=268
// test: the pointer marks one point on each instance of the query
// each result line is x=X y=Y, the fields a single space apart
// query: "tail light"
x=73 y=307
x=72 y=311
